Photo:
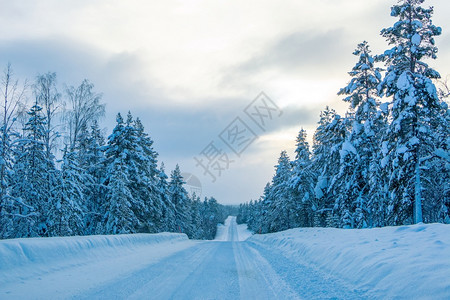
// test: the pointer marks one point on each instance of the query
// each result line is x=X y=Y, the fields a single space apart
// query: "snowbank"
x=36 y=255
x=393 y=262
x=243 y=232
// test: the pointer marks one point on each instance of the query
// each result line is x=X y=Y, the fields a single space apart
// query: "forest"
x=385 y=162
x=60 y=176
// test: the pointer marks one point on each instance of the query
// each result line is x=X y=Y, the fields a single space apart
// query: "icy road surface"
x=227 y=268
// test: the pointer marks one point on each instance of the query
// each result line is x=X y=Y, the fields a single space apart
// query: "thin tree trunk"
x=418 y=194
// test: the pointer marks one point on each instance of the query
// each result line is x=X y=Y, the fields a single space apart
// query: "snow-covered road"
x=227 y=268
x=301 y=263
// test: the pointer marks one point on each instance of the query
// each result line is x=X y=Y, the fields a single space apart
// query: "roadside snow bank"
x=392 y=262
x=243 y=232
x=19 y=256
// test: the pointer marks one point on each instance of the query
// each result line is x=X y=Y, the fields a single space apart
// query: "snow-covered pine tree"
x=145 y=179
x=180 y=199
x=361 y=145
x=120 y=218
x=196 y=214
x=282 y=208
x=30 y=186
x=168 y=212
x=255 y=218
x=67 y=213
x=212 y=213
x=411 y=134
x=90 y=157
x=328 y=140
x=302 y=182
x=262 y=223
x=437 y=208
x=244 y=212
x=436 y=204
x=120 y=204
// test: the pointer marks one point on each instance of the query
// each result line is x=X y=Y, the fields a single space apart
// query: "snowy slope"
x=407 y=262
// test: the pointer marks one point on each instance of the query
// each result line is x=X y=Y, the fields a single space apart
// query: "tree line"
x=60 y=176
x=386 y=162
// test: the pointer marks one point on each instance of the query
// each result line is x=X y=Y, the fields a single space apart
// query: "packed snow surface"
x=308 y=263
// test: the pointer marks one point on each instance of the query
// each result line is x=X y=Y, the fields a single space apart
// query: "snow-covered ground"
x=230 y=231
x=311 y=263
x=407 y=262
x=58 y=268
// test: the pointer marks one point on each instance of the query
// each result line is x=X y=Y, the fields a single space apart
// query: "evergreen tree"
x=90 y=157
x=30 y=187
x=302 y=182
x=67 y=213
x=145 y=179
x=328 y=140
x=415 y=104
x=179 y=197
x=212 y=213
x=281 y=214
x=168 y=208
x=197 y=211
x=120 y=203
x=120 y=218
x=361 y=145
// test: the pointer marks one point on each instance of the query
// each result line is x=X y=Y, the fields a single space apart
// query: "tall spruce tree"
x=282 y=209
x=90 y=157
x=302 y=181
x=30 y=188
x=415 y=104
x=120 y=203
x=328 y=140
x=180 y=199
x=168 y=212
x=67 y=211
x=361 y=144
x=145 y=179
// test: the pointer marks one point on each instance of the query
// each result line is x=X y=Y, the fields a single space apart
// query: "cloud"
x=121 y=77
x=301 y=51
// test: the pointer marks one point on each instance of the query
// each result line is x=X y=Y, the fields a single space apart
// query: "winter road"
x=230 y=269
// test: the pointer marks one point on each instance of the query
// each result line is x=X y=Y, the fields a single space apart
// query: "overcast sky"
x=189 y=68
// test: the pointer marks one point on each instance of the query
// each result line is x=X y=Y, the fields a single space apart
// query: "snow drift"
x=392 y=262
x=31 y=256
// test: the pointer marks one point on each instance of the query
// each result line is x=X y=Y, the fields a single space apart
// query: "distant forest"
x=386 y=162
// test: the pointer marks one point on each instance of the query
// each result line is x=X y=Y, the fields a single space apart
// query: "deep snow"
x=393 y=262
x=57 y=268
x=407 y=262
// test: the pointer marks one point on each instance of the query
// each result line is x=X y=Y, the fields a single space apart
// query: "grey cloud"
x=73 y=61
x=178 y=130
x=304 y=52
